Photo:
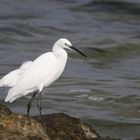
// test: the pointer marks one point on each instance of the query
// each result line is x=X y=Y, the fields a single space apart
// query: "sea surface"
x=102 y=89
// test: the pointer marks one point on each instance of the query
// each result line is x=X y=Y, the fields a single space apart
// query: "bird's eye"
x=66 y=44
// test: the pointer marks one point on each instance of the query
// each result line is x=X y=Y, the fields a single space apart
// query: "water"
x=104 y=89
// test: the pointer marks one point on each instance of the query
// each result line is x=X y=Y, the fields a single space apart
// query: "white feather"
x=42 y=72
x=12 y=77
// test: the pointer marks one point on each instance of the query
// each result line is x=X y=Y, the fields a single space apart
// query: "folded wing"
x=12 y=77
x=42 y=71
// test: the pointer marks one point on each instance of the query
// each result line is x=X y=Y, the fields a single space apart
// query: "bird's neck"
x=59 y=52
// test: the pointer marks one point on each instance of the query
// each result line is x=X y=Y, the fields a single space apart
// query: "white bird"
x=38 y=74
x=12 y=77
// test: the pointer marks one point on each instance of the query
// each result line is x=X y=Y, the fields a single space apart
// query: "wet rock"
x=59 y=126
x=17 y=126
x=63 y=127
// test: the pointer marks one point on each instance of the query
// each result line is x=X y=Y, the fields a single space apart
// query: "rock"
x=17 y=126
x=59 y=126
x=63 y=127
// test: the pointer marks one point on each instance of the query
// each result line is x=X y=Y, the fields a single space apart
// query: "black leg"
x=29 y=103
x=39 y=104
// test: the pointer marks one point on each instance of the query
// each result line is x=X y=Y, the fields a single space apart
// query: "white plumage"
x=33 y=76
x=12 y=77
x=42 y=72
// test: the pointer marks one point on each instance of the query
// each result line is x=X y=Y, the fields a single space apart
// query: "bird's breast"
x=61 y=63
x=56 y=71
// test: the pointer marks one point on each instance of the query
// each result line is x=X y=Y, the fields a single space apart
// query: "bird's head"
x=66 y=44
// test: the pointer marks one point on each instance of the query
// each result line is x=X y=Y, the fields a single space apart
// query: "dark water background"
x=104 y=89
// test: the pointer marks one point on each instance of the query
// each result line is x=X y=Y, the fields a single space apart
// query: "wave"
x=111 y=6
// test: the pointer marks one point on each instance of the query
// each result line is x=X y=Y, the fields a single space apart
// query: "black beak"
x=78 y=51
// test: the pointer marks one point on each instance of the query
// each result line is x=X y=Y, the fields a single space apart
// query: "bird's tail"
x=14 y=93
x=10 y=96
x=1 y=83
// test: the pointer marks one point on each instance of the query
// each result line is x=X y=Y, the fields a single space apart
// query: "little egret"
x=33 y=76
